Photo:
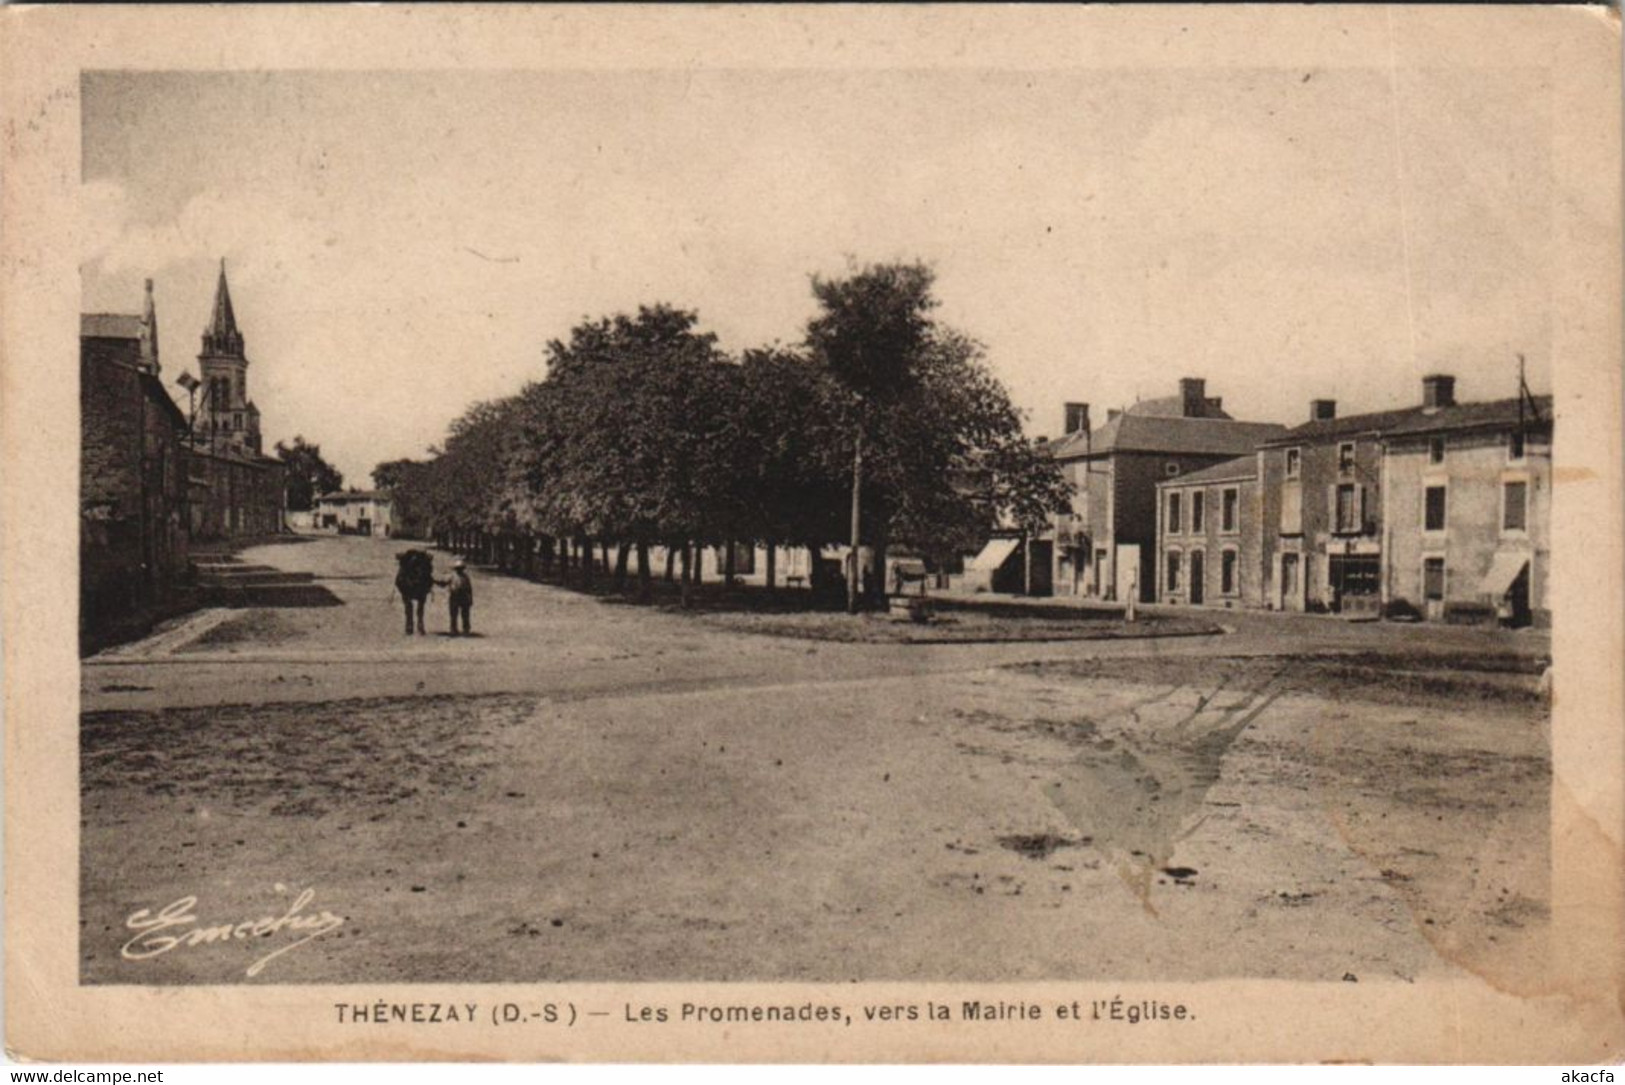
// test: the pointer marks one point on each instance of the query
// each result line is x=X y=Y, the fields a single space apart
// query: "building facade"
x=360 y=513
x=1322 y=509
x=1468 y=510
x=1209 y=537
x=1419 y=512
x=134 y=465
x=1106 y=546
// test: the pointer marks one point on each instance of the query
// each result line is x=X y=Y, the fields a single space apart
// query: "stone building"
x=1414 y=510
x=1467 y=506
x=1209 y=546
x=1109 y=539
x=1321 y=484
x=235 y=488
x=134 y=465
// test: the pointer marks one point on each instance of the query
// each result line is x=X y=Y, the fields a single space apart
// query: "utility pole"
x=854 y=580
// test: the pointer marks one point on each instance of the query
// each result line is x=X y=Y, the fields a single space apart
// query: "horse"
x=414 y=580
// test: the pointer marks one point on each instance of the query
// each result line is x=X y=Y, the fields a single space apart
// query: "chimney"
x=1322 y=410
x=1077 y=419
x=1192 y=397
x=1438 y=390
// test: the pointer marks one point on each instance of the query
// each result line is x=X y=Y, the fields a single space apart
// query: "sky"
x=401 y=245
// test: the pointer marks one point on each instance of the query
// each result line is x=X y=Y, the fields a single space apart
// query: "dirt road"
x=595 y=792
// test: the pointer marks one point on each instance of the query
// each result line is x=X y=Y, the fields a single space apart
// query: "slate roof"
x=1174 y=407
x=1497 y=414
x=109 y=326
x=1413 y=420
x=1242 y=467
x=1137 y=432
x=363 y=495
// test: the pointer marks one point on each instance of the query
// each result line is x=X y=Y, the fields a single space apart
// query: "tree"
x=308 y=475
x=936 y=450
x=629 y=439
x=406 y=482
x=873 y=326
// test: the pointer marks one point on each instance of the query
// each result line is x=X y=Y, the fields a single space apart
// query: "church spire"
x=222 y=336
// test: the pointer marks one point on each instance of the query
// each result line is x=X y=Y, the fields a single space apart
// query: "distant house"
x=1108 y=541
x=1209 y=537
x=365 y=512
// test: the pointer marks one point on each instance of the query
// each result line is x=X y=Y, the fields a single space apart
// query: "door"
x=363 y=526
x=1291 y=596
x=1198 y=573
x=1126 y=580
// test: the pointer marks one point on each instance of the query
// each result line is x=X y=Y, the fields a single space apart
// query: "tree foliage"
x=645 y=433
x=308 y=475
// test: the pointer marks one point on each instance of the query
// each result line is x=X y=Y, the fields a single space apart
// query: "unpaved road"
x=594 y=792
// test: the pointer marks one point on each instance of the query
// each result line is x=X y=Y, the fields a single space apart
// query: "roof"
x=154 y=389
x=109 y=326
x=1242 y=467
x=1413 y=420
x=235 y=455
x=1133 y=431
x=359 y=495
x=1174 y=407
x=1498 y=413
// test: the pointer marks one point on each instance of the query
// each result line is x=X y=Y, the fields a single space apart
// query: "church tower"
x=227 y=418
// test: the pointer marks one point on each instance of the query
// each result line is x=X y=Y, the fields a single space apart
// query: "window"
x=1173 y=571
x=1348 y=508
x=1515 y=446
x=1174 y=527
x=1198 y=513
x=1433 y=511
x=1170 y=468
x=1294 y=462
x=1345 y=457
x=1433 y=578
x=1515 y=506
x=1436 y=450
x=1227 y=510
x=1227 y=573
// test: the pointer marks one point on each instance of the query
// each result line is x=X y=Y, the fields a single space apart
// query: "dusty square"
x=592 y=792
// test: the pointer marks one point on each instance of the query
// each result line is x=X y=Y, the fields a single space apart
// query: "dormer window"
x=1436 y=450
x=1345 y=458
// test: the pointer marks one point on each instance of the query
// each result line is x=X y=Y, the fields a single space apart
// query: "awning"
x=1503 y=571
x=994 y=554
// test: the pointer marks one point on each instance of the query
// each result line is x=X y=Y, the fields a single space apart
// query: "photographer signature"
x=176 y=926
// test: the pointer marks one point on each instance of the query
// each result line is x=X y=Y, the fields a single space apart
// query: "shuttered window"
x=1515 y=506
x=1433 y=578
x=1433 y=513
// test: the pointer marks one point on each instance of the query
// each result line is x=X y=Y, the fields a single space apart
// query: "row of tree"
x=881 y=427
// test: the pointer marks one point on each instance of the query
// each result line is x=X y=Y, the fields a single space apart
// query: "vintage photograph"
x=760 y=527
x=891 y=533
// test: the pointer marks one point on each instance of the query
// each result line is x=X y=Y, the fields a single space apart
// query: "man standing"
x=461 y=596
